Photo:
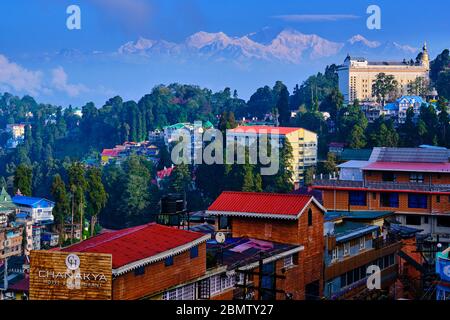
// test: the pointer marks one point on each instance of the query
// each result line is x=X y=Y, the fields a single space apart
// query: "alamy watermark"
x=73 y=22
x=374 y=20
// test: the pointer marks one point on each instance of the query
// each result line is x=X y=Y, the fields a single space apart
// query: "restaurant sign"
x=56 y=275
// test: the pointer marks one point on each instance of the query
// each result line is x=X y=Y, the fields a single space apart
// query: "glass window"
x=310 y=217
x=357 y=198
x=139 y=271
x=416 y=178
x=194 y=252
x=346 y=248
x=417 y=201
x=389 y=177
x=362 y=243
x=288 y=261
x=335 y=254
x=389 y=200
x=168 y=262
x=413 y=220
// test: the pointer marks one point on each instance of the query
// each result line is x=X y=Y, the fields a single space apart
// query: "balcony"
x=335 y=183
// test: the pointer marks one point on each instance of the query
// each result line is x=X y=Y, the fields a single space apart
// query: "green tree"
x=23 y=179
x=283 y=107
x=384 y=86
x=62 y=206
x=330 y=165
x=96 y=196
x=357 y=138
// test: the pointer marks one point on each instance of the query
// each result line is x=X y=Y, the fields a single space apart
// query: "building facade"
x=289 y=219
x=413 y=183
x=304 y=145
x=357 y=75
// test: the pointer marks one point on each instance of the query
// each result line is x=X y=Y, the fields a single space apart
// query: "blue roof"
x=347 y=231
x=412 y=99
x=391 y=106
x=32 y=202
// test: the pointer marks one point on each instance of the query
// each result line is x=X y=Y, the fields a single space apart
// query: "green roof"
x=6 y=203
x=208 y=125
x=355 y=154
x=176 y=126
x=363 y=215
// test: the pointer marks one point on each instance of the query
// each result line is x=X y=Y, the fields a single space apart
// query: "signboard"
x=56 y=275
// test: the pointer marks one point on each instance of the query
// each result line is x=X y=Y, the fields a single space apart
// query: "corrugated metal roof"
x=260 y=204
x=420 y=155
x=409 y=167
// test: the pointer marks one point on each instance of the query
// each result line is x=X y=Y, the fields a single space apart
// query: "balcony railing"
x=382 y=185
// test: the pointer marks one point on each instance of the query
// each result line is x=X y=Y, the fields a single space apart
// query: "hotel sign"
x=56 y=275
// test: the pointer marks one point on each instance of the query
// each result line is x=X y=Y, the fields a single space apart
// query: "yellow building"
x=303 y=142
x=357 y=75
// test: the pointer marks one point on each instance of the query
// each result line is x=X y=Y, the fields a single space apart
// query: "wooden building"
x=148 y=259
x=288 y=219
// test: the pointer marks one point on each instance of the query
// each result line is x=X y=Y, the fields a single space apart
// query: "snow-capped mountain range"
x=287 y=46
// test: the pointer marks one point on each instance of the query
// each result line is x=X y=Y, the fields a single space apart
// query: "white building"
x=38 y=209
x=357 y=75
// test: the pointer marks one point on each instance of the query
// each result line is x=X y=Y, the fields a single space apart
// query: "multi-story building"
x=412 y=182
x=10 y=242
x=7 y=208
x=296 y=220
x=357 y=75
x=303 y=143
x=352 y=248
x=38 y=209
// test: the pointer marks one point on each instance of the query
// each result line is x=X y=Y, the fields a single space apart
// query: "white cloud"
x=60 y=81
x=315 y=17
x=17 y=78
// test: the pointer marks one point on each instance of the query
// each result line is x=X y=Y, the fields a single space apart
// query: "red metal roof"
x=408 y=167
x=269 y=204
x=138 y=243
x=110 y=153
x=264 y=129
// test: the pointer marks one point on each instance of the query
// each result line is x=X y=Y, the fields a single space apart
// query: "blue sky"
x=33 y=28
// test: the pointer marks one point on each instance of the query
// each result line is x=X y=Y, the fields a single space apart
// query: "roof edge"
x=161 y=256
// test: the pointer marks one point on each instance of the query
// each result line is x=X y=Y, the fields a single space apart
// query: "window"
x=417 y=201
x=183 y=293
x=310 y=217
x=357 y=198
x=443 y=222
x=335 y=254
x=362 y=243
x=389 y=177
x=168 y=262
x=139 y=271
x=194 y=252
x=374 y=196
x=413 y=220
x=438 y=199
x=224 y=223
x=346 y=248
x=416 y=178
x=389 y=200
x=288 y=261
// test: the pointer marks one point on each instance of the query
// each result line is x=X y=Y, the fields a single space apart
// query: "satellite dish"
x=221 y=237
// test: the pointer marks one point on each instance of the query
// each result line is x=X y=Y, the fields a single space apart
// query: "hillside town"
x=338 y=190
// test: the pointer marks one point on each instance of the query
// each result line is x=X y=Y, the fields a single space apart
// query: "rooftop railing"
x=382 y=185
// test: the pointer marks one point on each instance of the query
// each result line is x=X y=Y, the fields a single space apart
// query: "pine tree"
x=96 y=196
x=23 y=179
x=62 y=206
x=283 y=107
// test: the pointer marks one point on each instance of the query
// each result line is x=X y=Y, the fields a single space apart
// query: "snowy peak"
x=359 y=39
x=277 y=45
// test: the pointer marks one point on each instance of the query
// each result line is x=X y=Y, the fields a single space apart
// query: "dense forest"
x=47 y=163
